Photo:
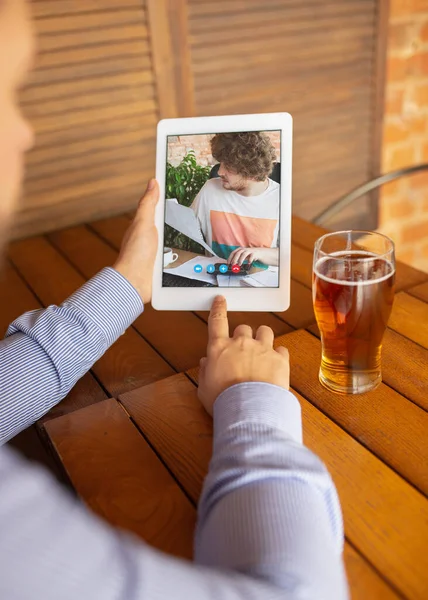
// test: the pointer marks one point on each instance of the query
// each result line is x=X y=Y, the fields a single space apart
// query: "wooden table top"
x=135 y=443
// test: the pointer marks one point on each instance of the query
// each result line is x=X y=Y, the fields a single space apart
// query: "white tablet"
x=224 y=216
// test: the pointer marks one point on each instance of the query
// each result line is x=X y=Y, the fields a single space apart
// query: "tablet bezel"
x=238 y=299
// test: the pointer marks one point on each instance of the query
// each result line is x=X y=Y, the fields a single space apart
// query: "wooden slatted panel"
x=172 y=418
x=119 y=476
x=92 y=101
x=314 y=60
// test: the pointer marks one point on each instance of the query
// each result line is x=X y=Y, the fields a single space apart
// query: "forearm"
x=271 y=257
x=269 y=507
x=46 y=351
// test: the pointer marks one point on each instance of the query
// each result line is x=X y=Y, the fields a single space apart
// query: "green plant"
x=184 y=182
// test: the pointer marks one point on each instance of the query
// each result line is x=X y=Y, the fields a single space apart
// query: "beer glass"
x=353 y=292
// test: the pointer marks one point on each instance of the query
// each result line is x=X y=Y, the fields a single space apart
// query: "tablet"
x=224 y=215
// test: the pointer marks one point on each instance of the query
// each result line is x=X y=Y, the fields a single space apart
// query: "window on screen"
x=223 y=210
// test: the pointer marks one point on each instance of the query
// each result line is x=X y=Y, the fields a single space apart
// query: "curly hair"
x=249 y=154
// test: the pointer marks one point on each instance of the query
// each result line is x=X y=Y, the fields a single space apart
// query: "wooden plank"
x=119 y=16
x=117 y=163
x=163 y=61
x=29 y=445
x=409 y=317
x=172 y=418
x=301 y=312
x=304 y=233
x=47 y=8
x=89 y=70
x=226 y=8
x=111 y=230
x=179 y=32
x=348 y=45
x=403 y=366
x=252 y=16
x=15 y=299
x=57 y=157
x=181 y=338
x=177 y=426
x=388 y=424
x=87 y=101
x=379 y=78
x=94 y=133
x=349 y=72
x=82 y=38
x=139 y=149
x=363 y=579
x=284 y=30
x=420 y=291
x=104 y=203
x=46 y=123
x=90 y=54
x=102 y=83
x=130 y=362
x=118 y=475
x=301 y=265
x=325 y=59
x=87 y=188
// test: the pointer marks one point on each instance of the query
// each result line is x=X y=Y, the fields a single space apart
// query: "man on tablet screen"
x=238 y=211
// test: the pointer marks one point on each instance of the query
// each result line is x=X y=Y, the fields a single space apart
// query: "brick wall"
x=179 y=146
x=404 y=203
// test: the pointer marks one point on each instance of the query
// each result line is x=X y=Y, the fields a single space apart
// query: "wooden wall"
x=107 y=70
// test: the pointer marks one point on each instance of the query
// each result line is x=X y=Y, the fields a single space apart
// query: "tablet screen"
x=222 y=210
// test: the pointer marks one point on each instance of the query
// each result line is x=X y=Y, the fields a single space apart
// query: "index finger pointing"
x=218 y=325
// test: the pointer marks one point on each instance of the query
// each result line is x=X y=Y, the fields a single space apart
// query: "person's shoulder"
x=273 y=185
x=213 y=184
x=210 y=187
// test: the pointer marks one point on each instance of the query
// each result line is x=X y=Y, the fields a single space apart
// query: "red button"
x=236 y=268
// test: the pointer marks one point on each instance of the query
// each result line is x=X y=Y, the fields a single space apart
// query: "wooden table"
x=135 y=443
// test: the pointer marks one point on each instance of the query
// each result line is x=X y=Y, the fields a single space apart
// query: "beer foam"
x=353 y=283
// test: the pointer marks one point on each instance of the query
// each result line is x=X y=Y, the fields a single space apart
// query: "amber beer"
x=353 y=294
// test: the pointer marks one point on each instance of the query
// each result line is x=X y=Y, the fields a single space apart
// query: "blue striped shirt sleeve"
x=46 y=351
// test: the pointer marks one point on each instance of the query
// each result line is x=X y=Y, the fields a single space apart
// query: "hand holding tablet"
x=224 y=212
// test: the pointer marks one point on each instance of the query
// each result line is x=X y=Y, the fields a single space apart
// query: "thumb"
x=147 y=204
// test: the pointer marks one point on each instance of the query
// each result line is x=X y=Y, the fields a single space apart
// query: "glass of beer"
x=353 y=292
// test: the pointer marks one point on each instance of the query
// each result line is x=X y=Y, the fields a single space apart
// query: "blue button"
x=197 y=268
x=223 y=268
x=210 y=269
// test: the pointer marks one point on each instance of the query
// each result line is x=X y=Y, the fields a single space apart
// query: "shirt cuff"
x=110 y=301
x=260 y=404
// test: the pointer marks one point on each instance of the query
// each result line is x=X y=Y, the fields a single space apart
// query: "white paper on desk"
x=230 y=280
x=187 y=269
x=267 y=278
x=184 y=220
